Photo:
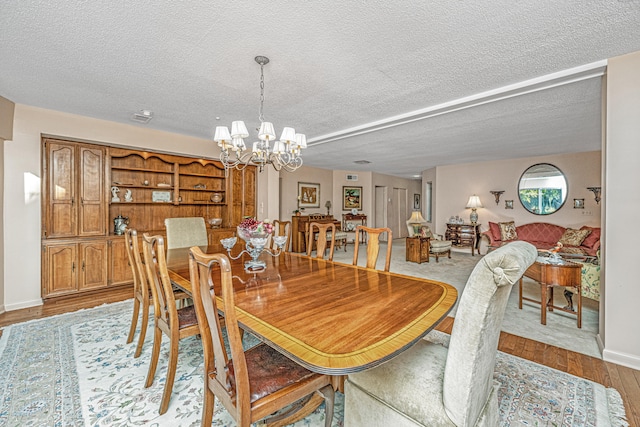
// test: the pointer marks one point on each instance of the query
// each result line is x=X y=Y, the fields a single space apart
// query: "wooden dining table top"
x=330 y=317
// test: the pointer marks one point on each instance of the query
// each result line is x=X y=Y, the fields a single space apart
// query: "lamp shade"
x=288 y=135
x=416 y=218
x=222 y=134
x=239 y=130
x=301 y=140
x=474 y=202
x=266 y=132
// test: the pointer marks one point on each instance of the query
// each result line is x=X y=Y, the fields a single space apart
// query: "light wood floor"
x=625 y=380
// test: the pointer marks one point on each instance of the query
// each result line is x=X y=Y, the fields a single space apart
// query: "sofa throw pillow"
x=494 y=229
x=508 y=231
x=592 y=238
x=573 y=237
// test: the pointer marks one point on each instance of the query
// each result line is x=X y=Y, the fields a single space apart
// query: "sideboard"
x=464 y=235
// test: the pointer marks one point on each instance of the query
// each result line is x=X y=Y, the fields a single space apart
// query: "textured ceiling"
x=335 y=67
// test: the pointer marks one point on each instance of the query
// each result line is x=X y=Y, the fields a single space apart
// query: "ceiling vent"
x=143 y=116
x=352 y=177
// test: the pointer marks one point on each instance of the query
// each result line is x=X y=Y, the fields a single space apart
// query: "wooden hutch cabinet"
x=86 y=186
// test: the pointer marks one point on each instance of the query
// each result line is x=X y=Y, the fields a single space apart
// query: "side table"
x=566 y=274
x=417 y=249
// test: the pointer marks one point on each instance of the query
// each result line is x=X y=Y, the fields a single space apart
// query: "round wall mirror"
x=542 y=189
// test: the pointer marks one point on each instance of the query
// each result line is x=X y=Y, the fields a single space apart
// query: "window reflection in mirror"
x=542 y=189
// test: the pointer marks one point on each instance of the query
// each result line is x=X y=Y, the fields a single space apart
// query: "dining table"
x=329 y=317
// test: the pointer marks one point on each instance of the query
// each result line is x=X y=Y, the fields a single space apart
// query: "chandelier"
x=283 y=154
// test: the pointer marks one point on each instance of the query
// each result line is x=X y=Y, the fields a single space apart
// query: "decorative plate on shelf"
x=354 y=211
x=351 y=226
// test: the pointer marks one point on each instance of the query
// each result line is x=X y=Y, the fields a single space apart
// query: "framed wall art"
x=416 y=202
x=351 y=198
x=308 y=195
x=508 y=204
x=578 y=203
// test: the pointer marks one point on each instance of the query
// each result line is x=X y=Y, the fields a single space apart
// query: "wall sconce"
x=496 y=194
x=596 y=193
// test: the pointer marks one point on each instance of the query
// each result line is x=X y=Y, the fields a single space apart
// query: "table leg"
x=520 y=295
x=543 y=304
x=550 y=302
x=579 y=306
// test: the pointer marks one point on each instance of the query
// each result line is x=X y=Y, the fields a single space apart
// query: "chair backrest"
x=326 y=234
x=231 y=386
x=140 y=282
x=185 y=232
x=282 y=228
x=155 y=263
x=468 y=376
x=373 y=245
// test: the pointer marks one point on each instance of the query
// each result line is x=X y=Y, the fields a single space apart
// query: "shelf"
x=202 y=175
x=204 y=190
x=143 y=187
x=123 y=168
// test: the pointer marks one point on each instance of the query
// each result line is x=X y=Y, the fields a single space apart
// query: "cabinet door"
x=119 y=269
x=93 y=265
x=61 y=263
x=91 y=208
x=60 y=220
x=249 y=201
x=243 y=194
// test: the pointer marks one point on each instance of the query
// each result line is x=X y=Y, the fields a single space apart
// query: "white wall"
x=22 y=201
x=622 y=205
x=455 y=183
x=289 y=190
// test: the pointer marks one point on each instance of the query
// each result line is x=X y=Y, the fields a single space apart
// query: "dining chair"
x=168 y=319
x=185 y=232
x=282 y=228
x=326 y=234
x=373 y=245
x=141 y=291
x=251 y=384
x=434 y=385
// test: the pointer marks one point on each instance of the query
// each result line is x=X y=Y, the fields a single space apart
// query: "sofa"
x=545 y=236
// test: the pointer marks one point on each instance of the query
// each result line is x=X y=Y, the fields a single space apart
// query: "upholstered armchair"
x=437 y=245
x=430 y=385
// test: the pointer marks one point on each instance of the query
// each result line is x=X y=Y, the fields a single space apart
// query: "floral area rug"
x=76 y=370
x=531 y=394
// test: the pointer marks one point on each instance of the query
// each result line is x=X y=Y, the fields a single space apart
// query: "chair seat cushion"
x=339 y=235
x=410 y=384
x=187 y=317
x=440 y=245
x=270 y=371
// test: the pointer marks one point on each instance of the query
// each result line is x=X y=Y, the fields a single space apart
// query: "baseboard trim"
x=23 y=304
x=628 y=360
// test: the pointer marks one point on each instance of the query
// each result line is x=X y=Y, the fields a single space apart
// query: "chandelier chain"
x=261 y=115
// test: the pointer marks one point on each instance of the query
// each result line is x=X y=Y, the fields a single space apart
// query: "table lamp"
x=416 y=221
x=474 y=203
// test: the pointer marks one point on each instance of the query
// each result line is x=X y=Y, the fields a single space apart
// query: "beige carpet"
x=561 y=329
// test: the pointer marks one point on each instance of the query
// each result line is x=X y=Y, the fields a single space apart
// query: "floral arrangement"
x=251 y=227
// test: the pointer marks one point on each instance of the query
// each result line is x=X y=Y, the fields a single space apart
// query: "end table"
x=417 y=249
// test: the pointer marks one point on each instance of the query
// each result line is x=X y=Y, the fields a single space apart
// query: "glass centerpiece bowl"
x=256 y=236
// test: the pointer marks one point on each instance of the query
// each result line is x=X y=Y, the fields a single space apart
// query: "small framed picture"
x=508 y=204
x=351 y=198
x=416 y=202
x=578 y=203
x=308 y=195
